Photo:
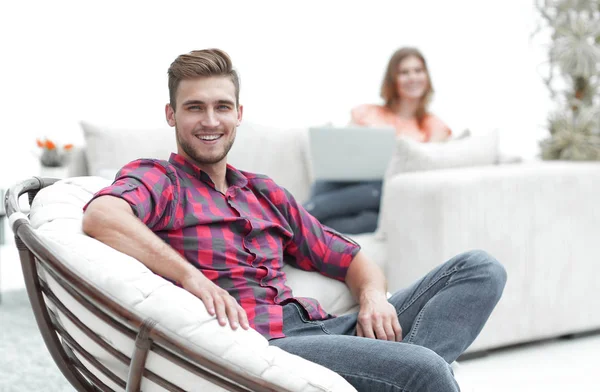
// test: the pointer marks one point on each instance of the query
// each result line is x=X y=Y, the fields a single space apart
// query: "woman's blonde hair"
x=389 y=89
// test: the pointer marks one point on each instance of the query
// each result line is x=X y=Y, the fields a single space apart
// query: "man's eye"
x=194 y=107
x=223 y=107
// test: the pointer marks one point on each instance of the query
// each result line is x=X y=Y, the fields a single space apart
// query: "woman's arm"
x=438 y=130
x=365 y=115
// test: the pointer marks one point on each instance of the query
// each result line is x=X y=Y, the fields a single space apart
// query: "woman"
x=406 y=90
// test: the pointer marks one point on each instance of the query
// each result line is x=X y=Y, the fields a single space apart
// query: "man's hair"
x=389 y=87
x=198 y=64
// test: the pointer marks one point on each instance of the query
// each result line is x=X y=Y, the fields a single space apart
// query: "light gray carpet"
x=25 y=363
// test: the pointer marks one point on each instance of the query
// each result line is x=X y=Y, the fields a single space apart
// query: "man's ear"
x=240 y=115
x=170 y=115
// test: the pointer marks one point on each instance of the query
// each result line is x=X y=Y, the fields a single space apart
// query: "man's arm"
x=315 y=247
x=110 y=220
x=377 y=318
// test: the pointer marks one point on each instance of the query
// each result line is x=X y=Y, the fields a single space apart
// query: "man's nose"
x=210 y=119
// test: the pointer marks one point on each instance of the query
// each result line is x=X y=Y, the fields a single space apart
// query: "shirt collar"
x=234 y=176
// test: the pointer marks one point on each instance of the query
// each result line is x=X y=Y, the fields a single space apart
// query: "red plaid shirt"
x=239 y=239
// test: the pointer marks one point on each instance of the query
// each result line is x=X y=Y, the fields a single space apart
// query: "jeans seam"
x=371 y=378
x=423 y=291
x=415 y=327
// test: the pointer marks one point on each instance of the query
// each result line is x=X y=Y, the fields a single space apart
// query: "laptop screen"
x=350 y=153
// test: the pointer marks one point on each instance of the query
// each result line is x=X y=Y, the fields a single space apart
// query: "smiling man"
x=224 y=234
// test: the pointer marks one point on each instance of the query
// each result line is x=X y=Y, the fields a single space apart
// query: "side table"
x=54 y=172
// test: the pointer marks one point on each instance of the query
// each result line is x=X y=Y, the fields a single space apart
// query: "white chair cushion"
x=56 y=213
x=333 y=295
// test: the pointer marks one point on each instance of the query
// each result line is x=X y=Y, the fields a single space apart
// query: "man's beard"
x=203 y=160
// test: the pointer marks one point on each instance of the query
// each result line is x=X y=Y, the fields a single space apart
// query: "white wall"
x=301 y=63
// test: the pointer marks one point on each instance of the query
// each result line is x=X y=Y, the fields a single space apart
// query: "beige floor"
x=552 y=366
x=557 y=365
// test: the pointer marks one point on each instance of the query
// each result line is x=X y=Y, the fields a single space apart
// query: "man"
x=224 y=234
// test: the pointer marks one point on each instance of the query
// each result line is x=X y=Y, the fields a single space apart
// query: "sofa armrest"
x=512 y=211
x=540 y=220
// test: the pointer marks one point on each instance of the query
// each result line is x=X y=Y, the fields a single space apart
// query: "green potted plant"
x=573 y=78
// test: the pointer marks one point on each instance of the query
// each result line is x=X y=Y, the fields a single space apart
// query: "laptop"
x=350 y=153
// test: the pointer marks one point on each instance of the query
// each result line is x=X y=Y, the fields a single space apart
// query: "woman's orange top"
x=433 y=129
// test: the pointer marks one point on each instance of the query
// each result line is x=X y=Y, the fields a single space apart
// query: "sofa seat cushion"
x=56 y=213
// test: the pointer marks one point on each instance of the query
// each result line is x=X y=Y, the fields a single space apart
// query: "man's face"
x=205 y=119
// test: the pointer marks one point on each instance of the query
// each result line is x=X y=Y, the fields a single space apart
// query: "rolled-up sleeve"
x=149 y=187
x=315 y=247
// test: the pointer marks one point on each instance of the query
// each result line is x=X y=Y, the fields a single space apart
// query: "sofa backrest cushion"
x=107 y=149
x=278 y=153
x=472 y=150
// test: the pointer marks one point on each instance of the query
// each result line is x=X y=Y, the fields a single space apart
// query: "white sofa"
x=540 y=219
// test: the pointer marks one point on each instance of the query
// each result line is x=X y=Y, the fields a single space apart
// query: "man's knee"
x=430 y=371
x=489 y=268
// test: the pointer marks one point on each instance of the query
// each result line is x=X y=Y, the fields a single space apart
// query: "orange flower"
x=48 y=144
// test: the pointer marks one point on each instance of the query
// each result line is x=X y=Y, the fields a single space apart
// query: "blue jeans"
x=441 y=315
x=348 y=207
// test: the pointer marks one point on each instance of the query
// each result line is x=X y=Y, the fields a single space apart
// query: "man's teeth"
x=209 y=137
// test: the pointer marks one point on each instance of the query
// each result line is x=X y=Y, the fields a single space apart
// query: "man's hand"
x=377 y=318
x=216 y=300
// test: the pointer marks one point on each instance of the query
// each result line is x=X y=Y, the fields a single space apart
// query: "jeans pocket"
x=305 y=319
